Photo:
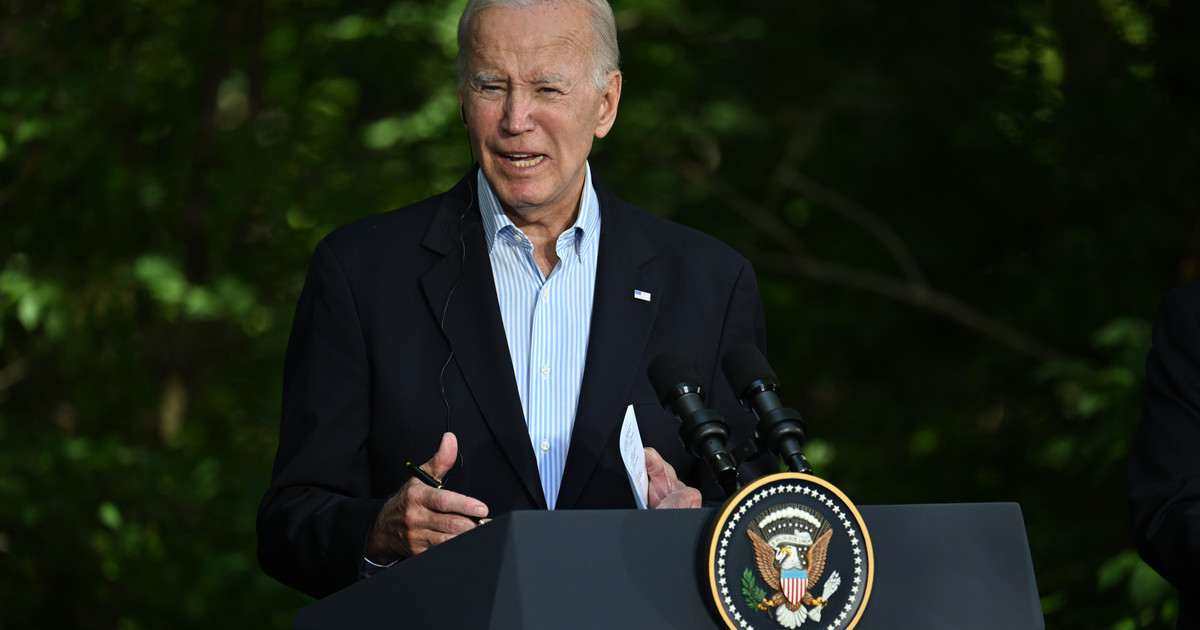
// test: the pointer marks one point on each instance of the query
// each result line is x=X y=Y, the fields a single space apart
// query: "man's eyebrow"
x=480 y=78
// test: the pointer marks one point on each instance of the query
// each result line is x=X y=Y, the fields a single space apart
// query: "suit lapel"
x=474 y=328
x=620 y=328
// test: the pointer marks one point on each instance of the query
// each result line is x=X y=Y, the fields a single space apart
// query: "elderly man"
x=501 y=327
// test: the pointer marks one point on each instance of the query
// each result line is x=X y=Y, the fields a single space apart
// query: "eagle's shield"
x=794 y=582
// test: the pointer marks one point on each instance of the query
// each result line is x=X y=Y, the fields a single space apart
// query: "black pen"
x=430 y=481
x=423 y=476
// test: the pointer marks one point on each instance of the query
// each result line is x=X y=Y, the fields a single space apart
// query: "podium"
x=949 y=566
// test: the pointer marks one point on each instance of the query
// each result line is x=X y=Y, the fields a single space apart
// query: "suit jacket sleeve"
x=1164 y=465
x=316 y=515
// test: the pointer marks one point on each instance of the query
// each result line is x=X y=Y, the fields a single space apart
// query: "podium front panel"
x=949 y=566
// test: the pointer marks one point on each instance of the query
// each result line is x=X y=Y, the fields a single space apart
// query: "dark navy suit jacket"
x=1164 y=463
x=400 y=306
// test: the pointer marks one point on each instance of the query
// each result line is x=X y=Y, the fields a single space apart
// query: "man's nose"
x=518 y=112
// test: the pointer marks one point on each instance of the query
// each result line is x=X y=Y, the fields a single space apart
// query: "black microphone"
x=779 y=428
x=702 y=430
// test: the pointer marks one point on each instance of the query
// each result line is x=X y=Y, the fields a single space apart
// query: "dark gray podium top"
x=947 y=566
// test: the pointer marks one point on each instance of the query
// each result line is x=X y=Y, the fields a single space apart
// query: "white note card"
x=635 y=457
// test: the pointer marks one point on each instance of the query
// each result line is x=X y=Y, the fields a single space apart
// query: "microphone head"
x=747 y=370
x=671 y=375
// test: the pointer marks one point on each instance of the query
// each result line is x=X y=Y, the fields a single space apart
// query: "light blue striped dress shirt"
x=547 y=321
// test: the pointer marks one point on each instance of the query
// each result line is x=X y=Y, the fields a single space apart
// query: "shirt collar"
x=586 y=228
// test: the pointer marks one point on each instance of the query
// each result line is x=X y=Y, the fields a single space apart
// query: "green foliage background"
x=963 y=215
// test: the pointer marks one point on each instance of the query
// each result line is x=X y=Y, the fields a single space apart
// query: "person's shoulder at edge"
x=1185 y=296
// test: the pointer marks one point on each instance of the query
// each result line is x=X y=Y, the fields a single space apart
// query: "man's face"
x=532 y=107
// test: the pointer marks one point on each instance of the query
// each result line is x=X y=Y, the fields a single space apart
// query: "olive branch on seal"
x=755 y=596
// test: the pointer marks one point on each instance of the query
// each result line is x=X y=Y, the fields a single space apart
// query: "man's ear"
x=609 y=99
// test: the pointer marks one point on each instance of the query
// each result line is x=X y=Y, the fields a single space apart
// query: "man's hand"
x=666 y=490
x=418 y=517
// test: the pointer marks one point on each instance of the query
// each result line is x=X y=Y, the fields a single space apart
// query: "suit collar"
x=457 y=214
x=462 y=295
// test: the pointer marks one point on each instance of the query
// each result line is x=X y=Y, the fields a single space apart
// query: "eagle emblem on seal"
x=790 y=544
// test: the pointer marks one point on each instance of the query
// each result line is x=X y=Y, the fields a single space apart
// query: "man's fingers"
x=425 y=539
x=432 y=539
x=428 y=526
x=420 y=516
x=658 y=468
x=661 y=477
x=447 y=502
x=666 y=490
x=445 y=457
x=685 y=497
x=420 y=501
x=452 y=524
x=654 y=462
x=424 y=517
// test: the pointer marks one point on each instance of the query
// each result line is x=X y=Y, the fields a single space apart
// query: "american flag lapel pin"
x=638 y=294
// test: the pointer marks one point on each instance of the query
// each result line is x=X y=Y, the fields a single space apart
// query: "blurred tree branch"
x=913 y=289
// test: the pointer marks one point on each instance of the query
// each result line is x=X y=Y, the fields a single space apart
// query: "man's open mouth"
x=524 y=160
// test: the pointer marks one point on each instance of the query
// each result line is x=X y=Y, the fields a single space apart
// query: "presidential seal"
x=788 y=550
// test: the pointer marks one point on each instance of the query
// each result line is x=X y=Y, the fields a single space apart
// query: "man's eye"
x=549 y=90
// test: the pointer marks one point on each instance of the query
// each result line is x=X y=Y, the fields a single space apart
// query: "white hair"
x=605 y=56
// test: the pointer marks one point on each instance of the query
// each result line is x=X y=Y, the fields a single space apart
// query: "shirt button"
x=545 y=370
x=545 y=446
x=545 y=293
